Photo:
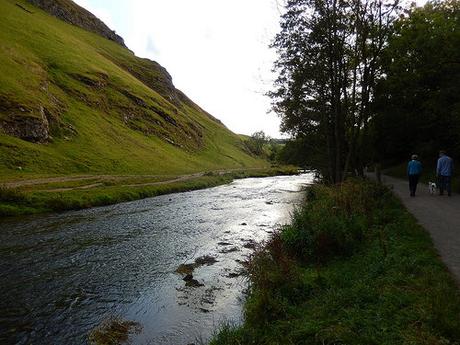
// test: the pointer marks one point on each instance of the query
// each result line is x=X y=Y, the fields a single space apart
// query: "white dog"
x=432 y=187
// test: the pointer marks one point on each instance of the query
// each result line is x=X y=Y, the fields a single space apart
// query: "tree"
x=418 y=98
x=328 y=64
x=256 y=142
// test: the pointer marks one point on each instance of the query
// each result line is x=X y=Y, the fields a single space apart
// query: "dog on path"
x=432 y=187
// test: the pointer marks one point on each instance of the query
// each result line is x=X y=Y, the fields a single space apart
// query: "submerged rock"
x=229 y=250
x=191 y=282
x=234 y=275
x=188 y=269
x=250 y=245
x=205 y=260
x=185 y=269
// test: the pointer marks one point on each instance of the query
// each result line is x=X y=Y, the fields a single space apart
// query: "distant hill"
x=74 y=99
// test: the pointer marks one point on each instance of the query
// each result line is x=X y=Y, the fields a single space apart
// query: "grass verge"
x=29 y=200
x=354 y=267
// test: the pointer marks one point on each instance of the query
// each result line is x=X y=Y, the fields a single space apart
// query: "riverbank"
x=56 y=195
x=354 y=267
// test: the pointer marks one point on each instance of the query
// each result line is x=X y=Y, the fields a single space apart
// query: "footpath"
x=439 y=215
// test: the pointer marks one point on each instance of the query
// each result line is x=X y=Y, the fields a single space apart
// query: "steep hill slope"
x=72 y=101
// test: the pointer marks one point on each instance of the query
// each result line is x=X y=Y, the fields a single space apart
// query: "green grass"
x=354 y=267
x=89 y=85
x=40 y=199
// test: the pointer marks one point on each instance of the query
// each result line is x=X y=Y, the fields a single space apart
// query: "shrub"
x=332 y=223
x=11 y=195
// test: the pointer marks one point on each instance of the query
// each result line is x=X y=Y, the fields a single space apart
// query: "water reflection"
x=63 y=274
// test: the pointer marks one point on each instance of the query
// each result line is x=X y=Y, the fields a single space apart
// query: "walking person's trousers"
x=445 y=184
x=413 y=181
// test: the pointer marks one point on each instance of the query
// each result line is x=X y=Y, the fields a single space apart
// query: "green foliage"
x=386 y=286
x=332 y=224
x=328 y=63
x=418 y=101
x=255 y=144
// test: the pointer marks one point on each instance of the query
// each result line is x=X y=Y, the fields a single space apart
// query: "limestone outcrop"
x=70 y=12
x=28 y=124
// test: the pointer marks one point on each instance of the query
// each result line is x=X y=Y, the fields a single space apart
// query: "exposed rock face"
x=25 y=124
x=157 y=78
x=71 y=13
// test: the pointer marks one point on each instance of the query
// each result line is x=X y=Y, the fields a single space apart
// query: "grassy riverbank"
x=354 y=267
x=74 y=194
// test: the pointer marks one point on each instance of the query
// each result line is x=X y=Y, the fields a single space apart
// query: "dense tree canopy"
x=329 y=61
x=418 y=101
x=363 y=81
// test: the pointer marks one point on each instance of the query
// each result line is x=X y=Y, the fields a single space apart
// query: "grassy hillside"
x=72 y=102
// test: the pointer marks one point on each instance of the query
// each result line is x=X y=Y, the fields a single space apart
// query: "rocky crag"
x=72 y=13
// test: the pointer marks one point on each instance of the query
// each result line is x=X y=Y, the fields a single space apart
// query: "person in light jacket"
x=444 y=172
x=414 y=170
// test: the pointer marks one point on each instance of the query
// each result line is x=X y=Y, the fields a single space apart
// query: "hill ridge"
x=74 y=14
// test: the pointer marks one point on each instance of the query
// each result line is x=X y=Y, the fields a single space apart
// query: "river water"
x=61 y=275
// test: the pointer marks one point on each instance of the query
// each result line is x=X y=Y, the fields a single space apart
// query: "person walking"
x=414 y=170
x=444 y=172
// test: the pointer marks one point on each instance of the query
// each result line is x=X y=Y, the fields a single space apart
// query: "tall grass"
x=353 y=267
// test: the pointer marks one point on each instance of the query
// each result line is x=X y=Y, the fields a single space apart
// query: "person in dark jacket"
x=414 y=170
x=444 y=172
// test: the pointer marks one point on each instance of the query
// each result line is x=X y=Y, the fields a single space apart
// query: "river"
x=63 y=274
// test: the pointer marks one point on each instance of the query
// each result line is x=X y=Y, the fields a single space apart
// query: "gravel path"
x=439 y=215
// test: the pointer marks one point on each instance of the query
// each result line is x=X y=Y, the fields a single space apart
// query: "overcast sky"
x=216 y=51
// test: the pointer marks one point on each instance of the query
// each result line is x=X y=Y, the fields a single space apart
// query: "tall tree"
x=328 y=63
x=418 y=101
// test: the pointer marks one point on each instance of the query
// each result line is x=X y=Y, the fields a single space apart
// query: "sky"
x=217 y=51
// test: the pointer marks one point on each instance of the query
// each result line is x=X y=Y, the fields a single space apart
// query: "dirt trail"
x=98 y=180
x=439 y=215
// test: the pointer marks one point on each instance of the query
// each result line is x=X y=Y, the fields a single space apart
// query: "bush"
x=275 y=282
x=334 y=221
